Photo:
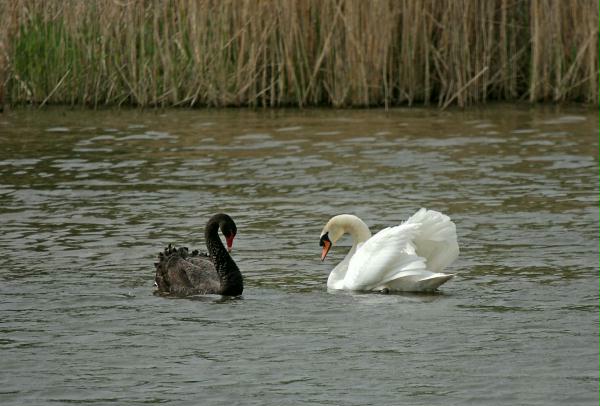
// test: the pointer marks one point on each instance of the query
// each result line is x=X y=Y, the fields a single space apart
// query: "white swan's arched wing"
x=383 y=257
x=436 y=240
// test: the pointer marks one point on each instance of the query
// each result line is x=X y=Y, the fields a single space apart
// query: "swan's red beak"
x=229 y=240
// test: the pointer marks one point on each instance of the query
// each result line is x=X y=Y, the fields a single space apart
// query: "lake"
x=88 y=198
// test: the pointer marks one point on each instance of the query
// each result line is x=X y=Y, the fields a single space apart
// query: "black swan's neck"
x=231 y=278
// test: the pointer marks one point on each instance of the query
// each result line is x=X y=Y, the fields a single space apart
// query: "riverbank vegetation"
x=297 y=52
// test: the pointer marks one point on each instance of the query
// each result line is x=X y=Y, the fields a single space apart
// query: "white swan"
x=409 y=257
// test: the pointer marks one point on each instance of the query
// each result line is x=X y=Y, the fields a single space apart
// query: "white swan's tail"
x=422 y=281
x=436 y=239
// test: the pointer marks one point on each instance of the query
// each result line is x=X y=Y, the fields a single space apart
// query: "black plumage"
x=215 y=272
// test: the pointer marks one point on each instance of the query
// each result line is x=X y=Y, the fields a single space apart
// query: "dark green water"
x=87 y=199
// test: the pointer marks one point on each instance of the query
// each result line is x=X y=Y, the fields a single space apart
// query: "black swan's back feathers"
x=180 y=273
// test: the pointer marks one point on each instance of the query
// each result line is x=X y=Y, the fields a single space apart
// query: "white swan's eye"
x=324 y=237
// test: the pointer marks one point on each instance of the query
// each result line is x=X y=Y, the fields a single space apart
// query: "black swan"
x=181 y=273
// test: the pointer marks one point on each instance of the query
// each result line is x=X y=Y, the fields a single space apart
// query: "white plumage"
x=409 y=257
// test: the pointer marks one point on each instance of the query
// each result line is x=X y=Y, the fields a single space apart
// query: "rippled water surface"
x=87 y=199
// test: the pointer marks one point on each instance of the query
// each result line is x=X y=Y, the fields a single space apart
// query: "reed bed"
x=297 y=52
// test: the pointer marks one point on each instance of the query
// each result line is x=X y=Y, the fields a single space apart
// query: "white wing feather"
x=436 y=240
x=382 y=256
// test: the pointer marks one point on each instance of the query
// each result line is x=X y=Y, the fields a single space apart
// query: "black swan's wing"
x=200 y=259
x=180 y=273
x=202 y=274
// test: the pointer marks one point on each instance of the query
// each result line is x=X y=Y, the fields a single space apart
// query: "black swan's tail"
x=166 y=258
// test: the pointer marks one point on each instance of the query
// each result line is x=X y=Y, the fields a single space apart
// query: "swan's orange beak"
x=325 y=242
x=326 y=247
x=229 y=240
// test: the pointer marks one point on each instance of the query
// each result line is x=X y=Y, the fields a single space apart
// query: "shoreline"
x=282 y=53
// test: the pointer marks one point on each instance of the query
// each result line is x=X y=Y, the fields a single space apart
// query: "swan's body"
x=178 y=272
x=409 y=257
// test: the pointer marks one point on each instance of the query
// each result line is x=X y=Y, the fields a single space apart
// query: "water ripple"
x=88 y=199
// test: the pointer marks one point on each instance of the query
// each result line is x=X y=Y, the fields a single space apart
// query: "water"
x=88 y=198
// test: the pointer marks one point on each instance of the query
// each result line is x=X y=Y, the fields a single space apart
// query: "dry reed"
x=299 y=53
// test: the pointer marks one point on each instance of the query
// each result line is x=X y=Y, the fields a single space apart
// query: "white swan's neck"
x=337 y=275
x=349 y=224
x=359 y=232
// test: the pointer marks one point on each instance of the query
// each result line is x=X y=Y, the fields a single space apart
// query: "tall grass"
x=297 y=52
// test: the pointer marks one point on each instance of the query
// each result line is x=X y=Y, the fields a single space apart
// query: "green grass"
x=297 y=53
